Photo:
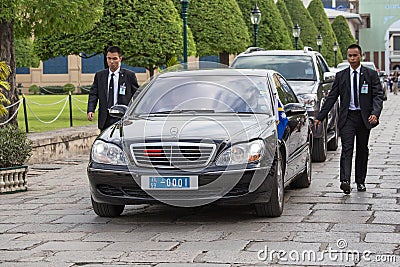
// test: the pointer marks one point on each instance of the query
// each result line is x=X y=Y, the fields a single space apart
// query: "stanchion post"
x=25 y=113
x=70 y=109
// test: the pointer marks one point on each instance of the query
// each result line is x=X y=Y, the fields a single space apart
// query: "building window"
x=96 y=63
x=93 y=64
x=396 y=43
x=23 y=70
x=58 y=65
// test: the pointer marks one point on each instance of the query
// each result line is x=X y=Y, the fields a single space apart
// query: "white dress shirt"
x=116 y=78
x=352 y=106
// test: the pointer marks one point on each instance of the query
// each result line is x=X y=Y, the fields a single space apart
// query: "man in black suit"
x=361 y=98
x=111 y=86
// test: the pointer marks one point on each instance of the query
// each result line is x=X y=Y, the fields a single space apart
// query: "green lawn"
x=38 y=110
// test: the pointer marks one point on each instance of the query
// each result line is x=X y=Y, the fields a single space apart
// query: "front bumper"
x=118 y=185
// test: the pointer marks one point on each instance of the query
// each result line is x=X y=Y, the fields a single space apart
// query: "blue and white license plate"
x=169 y=182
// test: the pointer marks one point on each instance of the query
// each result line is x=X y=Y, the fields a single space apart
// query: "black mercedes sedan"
x=194 y=137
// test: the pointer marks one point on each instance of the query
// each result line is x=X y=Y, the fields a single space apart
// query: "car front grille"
x=175 y=155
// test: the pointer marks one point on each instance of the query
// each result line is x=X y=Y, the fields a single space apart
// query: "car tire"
x=274 y=207
x=334 y=142
x=320 y=147
x=304 y=179
x=107 y=210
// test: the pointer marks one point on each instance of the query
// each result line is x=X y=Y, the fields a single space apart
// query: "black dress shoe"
x=345 y=186
x=361 y=188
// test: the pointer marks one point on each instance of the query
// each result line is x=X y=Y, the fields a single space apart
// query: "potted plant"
x=15 y=149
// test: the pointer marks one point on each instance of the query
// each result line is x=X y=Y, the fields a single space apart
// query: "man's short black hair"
x=352 y=46
x=115 y=49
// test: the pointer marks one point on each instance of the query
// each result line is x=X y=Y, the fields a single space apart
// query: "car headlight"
x=108 y=153
x=309 y=100
x=243 y=153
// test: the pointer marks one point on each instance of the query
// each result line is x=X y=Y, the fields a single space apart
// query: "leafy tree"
x=24 y=53
x=288 y=21
x=321 y=21
x=343 y=34
x=299 y=14
x=26 y=18
x=272 y=29
x=149 y=33
x=4 y=85
x=218 y=28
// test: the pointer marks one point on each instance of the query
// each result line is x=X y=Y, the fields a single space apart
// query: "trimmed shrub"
x=69 y=87
x=84 y=89
x=34 y=89
x=15 y=147
x=52 y=90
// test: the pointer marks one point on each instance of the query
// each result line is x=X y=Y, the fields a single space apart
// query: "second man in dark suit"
x=361 y=98
x=114 y=85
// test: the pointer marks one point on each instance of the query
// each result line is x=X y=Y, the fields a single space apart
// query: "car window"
x=285 y=93
x=292 y=67
x=227 y=94
x=323 y=64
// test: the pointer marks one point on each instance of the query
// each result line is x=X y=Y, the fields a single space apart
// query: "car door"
x=296 y=132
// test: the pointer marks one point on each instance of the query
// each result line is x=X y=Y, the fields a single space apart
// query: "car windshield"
x=292 y=67
x=205 y=94
x=344 y=65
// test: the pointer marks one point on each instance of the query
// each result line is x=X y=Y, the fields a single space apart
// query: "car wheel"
x=274 y=207
x=320 y=147
x=334 y=142
x=107 y=210
x=304 y=179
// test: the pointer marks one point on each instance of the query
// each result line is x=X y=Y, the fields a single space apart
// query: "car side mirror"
x=117 y=111
x=329 y=76
x=294 y=108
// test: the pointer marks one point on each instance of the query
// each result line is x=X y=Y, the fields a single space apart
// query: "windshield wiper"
x=180 y=111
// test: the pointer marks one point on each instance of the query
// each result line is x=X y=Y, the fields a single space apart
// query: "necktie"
x=111 y=92
x=355 y=89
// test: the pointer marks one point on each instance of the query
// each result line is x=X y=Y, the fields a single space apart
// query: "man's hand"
x=316 y=123
x=90 y=116
x=372 y=119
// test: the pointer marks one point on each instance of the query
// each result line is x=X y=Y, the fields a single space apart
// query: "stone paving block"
x=9 y=237
x=393 y=238
x=387 y=217
x=120 y=237
x=342 y=207
x=72 y=245
x=80 y=257
x=181 y=256
x=362 y=228
x=232 y=227
x=295 y=227
x=385 y=207
x=81 y=219
x=101 y=228
x=361 y=247
x=36 y=264
x=17 y=245
x=218 y=245
x=334 y=216
x=167 y=227
x=38 y=228
x=31 y=219
x=141 y=246
x=259 y=236
x=53 y=236
x=233 y=257
x=370 y=200
x=315 y=200
x=326 y=237
x=191 y=236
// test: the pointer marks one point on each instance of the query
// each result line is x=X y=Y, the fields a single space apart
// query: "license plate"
x=169 y=182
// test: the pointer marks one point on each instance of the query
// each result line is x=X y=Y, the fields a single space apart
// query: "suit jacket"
x=370 y=103
x=99 y=90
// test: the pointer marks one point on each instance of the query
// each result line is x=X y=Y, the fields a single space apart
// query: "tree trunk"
x=224 y=58
x=7 y=54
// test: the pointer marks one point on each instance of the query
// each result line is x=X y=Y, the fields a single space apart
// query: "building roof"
x=333 y=13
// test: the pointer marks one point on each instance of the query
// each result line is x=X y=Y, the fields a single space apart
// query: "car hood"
x=222 y=128
x=303 y=87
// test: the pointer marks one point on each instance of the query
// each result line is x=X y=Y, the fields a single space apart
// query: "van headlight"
x=243 y=153
x=107 y=153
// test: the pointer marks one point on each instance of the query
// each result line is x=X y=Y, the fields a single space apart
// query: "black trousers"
x=109 y=121
x=354 y=127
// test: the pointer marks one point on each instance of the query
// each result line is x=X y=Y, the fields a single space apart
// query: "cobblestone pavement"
x=52 y=224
